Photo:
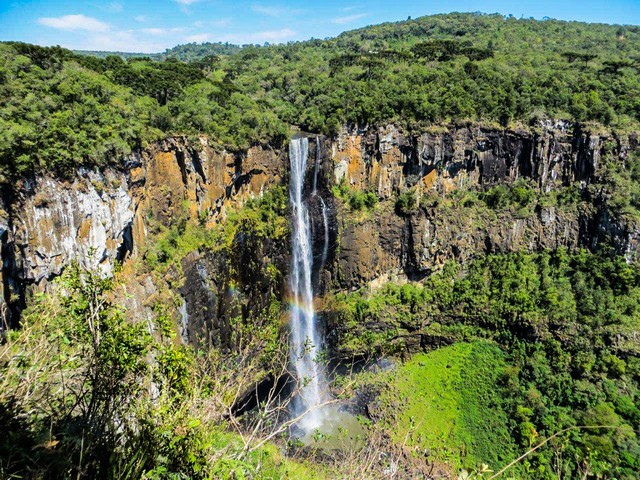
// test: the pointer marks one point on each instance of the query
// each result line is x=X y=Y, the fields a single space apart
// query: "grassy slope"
x=448 y=402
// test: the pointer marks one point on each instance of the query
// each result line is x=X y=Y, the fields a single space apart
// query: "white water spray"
x=325 y=223
x=305 y=338
x=184 y=322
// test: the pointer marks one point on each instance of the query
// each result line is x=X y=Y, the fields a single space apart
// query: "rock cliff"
x=99 y=217
x=448 y=170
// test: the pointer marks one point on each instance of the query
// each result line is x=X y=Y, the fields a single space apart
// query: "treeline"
x=60 y=109
x=445 y=68
x=185 y=53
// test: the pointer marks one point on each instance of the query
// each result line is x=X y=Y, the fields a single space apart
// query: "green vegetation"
x=260 y=219
x=81 y=398
x=565 y=322
x=356 y=199
x=61 y=109
x=54 y=117
x=448 y=68
x=536 y=343
x=450 y=403
x=406 y=204
x=196 y=51
x=185 y=53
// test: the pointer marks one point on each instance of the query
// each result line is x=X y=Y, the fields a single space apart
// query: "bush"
x=406 y=204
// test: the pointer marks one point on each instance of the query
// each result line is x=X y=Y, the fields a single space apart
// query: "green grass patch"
x=449 y=402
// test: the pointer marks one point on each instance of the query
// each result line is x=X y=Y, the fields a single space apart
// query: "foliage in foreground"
x=85 y=393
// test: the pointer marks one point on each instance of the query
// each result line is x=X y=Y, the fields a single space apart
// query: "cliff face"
x=442 y=170
x=99 y=217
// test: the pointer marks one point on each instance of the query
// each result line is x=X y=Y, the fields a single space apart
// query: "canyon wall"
x=444 y=167
x=99 y=217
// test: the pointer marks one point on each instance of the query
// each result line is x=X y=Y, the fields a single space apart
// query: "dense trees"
x=566 y=323
x=55 y=114
x=449 y=67
x=60 y=109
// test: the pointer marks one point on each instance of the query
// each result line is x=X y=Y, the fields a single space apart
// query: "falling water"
x=325 y=220
x=315 y=167
x=305 y=338
x=184 y=322
x=325 y=223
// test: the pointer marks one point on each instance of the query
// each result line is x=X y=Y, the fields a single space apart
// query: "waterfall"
x=184 y=322
x=325 y=223
x=315 y=167
x=305 y=338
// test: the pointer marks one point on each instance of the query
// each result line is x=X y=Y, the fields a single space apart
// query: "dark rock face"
x=450 y=173
x=206 y=301
x=322 y=212
x=222 y=287
x=461 y=159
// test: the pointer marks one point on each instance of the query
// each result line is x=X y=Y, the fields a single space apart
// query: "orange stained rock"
x=84 y=230
x=429 y=180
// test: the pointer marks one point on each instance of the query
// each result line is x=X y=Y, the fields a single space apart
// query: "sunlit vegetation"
x=61 y=109
x=564 y=324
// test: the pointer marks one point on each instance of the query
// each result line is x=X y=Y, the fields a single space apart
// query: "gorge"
x=410 y=251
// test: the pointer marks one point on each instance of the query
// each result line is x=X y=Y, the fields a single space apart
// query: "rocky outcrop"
x=100 y=216
x=176 y=179
x=387 y=159
x=86 y=220
x=447 y=225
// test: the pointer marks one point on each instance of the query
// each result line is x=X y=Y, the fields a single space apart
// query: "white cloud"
x=274 y=35
x=75 y=22
x=187 y=2
x=269 y=11
x=275 y=11
x=162 y=31
x=223 y=22
x=348 y=19
x=154 y=31
x=121 y=41
x=115 y=7
x=140 y=18
x=107 y=39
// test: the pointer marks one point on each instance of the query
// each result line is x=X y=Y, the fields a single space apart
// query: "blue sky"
x=153 y=26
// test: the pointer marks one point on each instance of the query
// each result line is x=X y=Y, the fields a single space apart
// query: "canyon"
x=102 y=217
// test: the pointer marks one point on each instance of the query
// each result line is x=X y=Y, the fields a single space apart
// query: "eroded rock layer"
x=454 y=160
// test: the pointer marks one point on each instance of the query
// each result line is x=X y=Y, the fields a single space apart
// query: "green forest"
x=60 y=109
x=552 y=347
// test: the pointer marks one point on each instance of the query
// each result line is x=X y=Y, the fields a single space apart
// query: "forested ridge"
x=61 y=109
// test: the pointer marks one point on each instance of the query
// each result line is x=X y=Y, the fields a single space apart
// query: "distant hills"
x=186 y=52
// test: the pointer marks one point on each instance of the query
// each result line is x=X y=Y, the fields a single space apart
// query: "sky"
x=153 y=26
